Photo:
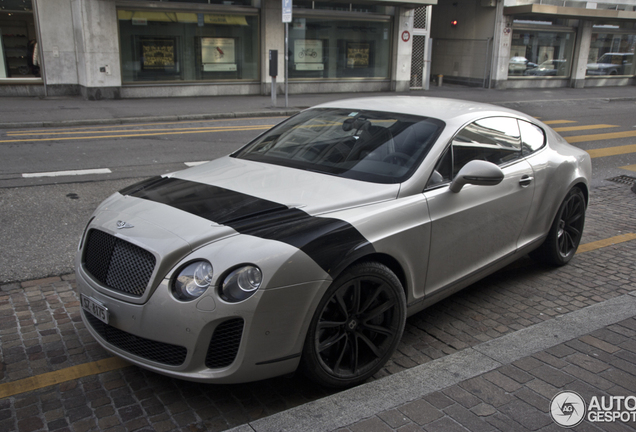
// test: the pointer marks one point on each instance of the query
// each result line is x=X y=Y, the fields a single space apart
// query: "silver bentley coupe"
x=308 y=247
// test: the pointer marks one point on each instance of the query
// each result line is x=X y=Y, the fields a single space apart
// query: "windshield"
x=372 y=146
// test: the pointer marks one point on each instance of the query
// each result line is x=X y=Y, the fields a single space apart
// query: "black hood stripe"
x=331 y=243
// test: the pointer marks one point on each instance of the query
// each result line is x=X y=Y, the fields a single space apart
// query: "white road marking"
x=67 y=173
x=193 y=164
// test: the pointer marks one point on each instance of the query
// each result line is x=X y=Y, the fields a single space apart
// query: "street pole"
x=287 y=17
x=286 y=65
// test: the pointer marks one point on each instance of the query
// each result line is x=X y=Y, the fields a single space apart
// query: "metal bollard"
x=440 y=79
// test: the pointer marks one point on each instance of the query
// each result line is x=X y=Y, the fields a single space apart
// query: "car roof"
x=440 y=108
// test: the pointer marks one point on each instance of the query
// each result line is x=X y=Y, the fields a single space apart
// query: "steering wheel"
x=397 y=158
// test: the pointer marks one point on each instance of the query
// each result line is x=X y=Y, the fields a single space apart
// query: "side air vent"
x=224 y=344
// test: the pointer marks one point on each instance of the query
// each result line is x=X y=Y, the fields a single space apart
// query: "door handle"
x=526 y=180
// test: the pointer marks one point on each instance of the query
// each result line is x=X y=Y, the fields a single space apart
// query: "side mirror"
x=477 y=172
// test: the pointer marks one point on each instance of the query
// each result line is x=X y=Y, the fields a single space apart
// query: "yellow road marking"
x=137 y=135
x=550 y=122
x=585 y=127
x=612 y=151
x=144 y=124
x=629 y=167
x=606 y=242
x=51 y=378
x=598 y=137
x=211 y=128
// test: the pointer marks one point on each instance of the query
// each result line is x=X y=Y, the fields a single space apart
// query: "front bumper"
x=259 y=338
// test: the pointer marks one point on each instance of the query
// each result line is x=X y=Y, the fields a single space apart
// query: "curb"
x=369 y=399
x=172 y=118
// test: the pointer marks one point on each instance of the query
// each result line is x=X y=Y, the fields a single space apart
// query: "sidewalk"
x=21 y=112
x=506 y=384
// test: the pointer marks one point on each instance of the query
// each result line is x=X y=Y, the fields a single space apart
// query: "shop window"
x=537 y=53
x=331 y=48
x=188 y=46
x=223 y=2
x=611 y=54
x=18 y=42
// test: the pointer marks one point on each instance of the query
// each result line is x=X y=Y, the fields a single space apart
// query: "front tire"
x=565 y=233
x=356 y=327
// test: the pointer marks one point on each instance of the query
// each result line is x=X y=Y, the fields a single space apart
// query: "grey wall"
x=58 y=42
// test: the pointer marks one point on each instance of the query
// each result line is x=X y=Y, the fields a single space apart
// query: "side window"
x=493 y=139
x=532 y=137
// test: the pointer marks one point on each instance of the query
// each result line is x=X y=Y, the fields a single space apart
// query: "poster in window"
x=218 y=54
x=158 y=54
x=358 y=55
x=308 y=54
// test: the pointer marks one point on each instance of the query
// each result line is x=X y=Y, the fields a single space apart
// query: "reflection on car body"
x=309 y=247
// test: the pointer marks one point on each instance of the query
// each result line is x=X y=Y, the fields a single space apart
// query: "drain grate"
x=628 y=180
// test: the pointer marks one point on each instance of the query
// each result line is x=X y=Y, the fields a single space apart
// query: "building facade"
x=535 y=43
x=172 y=48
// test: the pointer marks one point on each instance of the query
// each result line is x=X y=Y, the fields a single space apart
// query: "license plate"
x=95 y=308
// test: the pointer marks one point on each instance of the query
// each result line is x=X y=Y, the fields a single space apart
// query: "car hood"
x=314 y=192
x=230 y=195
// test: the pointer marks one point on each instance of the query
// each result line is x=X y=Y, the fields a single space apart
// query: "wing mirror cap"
x=477 y=172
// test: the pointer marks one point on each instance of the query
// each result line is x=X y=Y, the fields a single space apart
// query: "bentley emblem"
x=123 y=224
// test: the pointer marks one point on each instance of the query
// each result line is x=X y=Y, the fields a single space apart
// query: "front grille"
x=160 y=352
x=119 y=265
x=224 y=344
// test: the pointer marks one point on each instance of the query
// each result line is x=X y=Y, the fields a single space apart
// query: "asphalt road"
x=45 y=207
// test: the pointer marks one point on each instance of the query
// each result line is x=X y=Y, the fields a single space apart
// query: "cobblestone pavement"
x=41 y=331
x=517 y=396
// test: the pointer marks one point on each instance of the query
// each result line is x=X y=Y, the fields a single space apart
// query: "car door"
x=479 y=225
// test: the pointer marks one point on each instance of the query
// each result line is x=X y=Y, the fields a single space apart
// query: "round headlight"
x=241 y=284
x=192 y=280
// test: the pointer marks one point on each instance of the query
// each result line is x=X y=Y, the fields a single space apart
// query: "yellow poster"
x=158 y=54
x=357 y=55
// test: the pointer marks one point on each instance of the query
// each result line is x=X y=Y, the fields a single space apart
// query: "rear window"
x=372 y=146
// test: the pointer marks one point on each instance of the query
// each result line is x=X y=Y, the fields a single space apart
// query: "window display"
x=187 y=46
x=537 y=53
x=611 y=54
x=330 y=48
x=18 y=45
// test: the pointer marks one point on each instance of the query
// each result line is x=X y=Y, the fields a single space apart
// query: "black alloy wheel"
x=566 y=231
x=356 y=327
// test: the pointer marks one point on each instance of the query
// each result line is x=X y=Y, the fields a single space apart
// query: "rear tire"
x=565 y=233
x=356 y=327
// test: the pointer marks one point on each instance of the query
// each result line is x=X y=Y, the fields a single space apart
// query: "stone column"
x=401 y=67
x=58 y=46
x=502 y=39
x=581 y=53
x=96 y=48
x=272 y=37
